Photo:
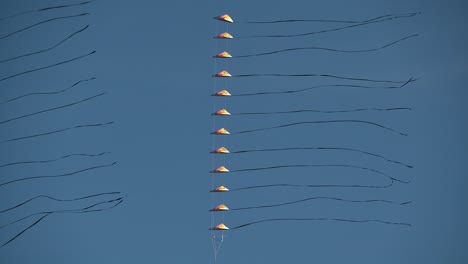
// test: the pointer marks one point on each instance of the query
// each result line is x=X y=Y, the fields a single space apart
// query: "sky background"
x=153 y=60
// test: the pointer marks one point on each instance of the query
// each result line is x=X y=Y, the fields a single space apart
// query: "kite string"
x=47 y=49
x=318 y=20
x=319 y=166
x=329 y=85
x=323 y=111
x=87 y=208
x=53 y=160
x=322 y=148
x=384 y=18
x=48 y=93
x=58 y=175
x=48 y=66
x=42 y=22
x=118 y=202
x=55 y=199
x=319 y=198
x=323 y=219
x=325 y=49
x=315 y=75
x=45 y=9
x=323 y=122
x=52 y=109
x=57 y=131
x=314 y=186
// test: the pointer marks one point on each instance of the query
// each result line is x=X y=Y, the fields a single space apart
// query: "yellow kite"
x=225 y=18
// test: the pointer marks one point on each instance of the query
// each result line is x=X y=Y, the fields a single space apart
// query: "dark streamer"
x=383 y=19
x=47 y=49
x=79 y=211
x=62 y=211
x=56 y=131
x=322 y=219
x=46 y=67
x=328 y=85
x=319 y=166
x=319 y=198
x=52 y=109
x=40 y=23
x=53 y=160
x=45 y=9
x=317 y=20
x=316 y=75
x=323 y=111
x=47 y=93
x=321 y=148
x=322 y=122
x=56 y=199
x=59 y=175
x=325 y=49
x=314 y=186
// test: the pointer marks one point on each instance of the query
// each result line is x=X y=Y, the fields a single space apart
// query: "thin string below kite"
x=319 y=198
x=48 y=93
x=59 y=175
x=322 y=122
x=390 y=17
x=56 y=131
x=313 y=186
x=46 y=67
x=325 y=49
x=320 y=166
x=316 y=20
x=53 y=160
x=47 y=49
x=89 y=209
x=323 y=219
x=318 y=75
x=327 y=85
x=322 y=148
x=56 y=199
x=45 y=9
x=42 y=22
x=52 y=109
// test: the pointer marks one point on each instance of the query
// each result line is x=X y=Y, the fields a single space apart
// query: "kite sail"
x=224 y=18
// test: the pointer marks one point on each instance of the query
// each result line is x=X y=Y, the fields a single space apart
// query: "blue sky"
x=153 y=60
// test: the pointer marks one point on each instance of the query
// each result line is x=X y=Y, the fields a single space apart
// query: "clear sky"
x=153 y=60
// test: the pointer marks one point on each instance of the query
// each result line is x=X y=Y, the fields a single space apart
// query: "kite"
x=224 y=18
x=222 y=74
x=220 y=189
x=222 y=112
x=220 y=208
x=224 y=35
x=222 y=93
x=220 y=169
x=220 y=227
x=223 y=55
x=221 y=131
